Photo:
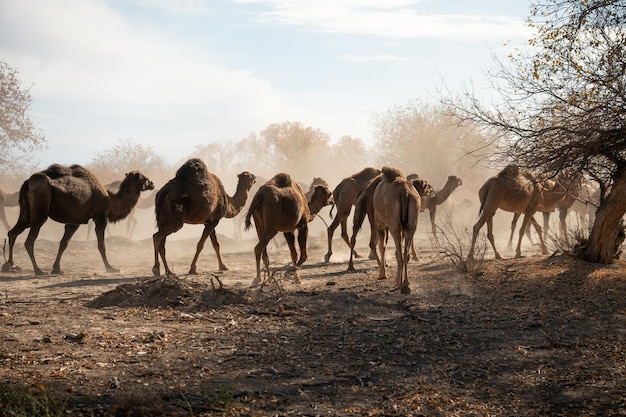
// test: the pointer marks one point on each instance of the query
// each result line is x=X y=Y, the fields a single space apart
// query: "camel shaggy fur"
x=280 y=205
x=72 y=195
x=195 y=196
x=396 y=207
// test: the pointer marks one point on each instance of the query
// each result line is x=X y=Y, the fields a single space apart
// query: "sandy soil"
x=533 y=336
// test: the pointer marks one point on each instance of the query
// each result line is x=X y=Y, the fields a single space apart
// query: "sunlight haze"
x=176 y=74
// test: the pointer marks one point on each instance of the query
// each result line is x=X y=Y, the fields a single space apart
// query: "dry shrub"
x=454 y=244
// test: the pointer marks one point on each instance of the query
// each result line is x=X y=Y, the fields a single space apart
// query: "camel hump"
x=510 y=171
x=365 y=174
x=192 y=172
x=282 y=180
x=55 y=171
x=392 y=173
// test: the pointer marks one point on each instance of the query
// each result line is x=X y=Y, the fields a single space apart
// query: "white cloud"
x=392 y=19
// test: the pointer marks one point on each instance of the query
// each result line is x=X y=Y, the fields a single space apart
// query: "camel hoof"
x=193 y=271
x=6 y=267
x=223 y=267
x=156 y=271
x=39 y=272
x=382 y=278
x=113 y=270
x=55 y=271
x=327 y=257
x=405 y=290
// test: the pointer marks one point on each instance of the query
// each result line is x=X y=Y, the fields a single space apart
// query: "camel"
x=280 y=206
x=195 y=196
x=441 y=196
x=7 y=200
x=514 y=190
x=365 y=205
x=72 y=195
x=560 y=193
x=396 y=207
x=344 y=197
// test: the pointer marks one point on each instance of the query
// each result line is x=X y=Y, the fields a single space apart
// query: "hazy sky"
x=175 y=74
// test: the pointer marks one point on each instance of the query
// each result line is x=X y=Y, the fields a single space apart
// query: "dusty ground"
x=533 y=336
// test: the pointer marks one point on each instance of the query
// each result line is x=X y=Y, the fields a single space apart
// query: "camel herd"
x=391 y=201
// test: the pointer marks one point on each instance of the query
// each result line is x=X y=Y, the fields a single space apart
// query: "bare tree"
x=18 y=134
x=112 y=164
x=561 y=104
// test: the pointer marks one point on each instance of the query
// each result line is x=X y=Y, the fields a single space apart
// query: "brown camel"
x=7 y=200
x=344 y=197
x=396 y=207
x=441 y=196
x=365 y=206
x=560 y=193
x=514 y=190
x=280 y=206
x=72 y=195
x=195 y=196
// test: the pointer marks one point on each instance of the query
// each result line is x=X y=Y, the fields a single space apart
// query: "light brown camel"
x=72 y=195
x=344 y=197
x=560 y=193
x=280 y=206
x=514 y=190
x=195 y=196
x=365 y=206
x=396 y=207
x=7 y=200
x=441 y=196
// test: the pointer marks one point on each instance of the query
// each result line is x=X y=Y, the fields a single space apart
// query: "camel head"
x=455 y=181
x=322 y=196
x=246 y=179
x=140 y=180
x=424 y=189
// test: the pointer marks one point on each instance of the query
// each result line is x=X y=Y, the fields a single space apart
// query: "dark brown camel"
x=72 y=195
x=195 y=196
x=441 y=196
x=280 y=206
x=7 y=200
x=345 y=196
x=365 y=206
x=396 y=207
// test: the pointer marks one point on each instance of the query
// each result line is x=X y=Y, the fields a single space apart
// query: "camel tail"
x=360 y=209
x=257 y=201
x=23 y=202
x=408 y=211
x=482 y=196
x=332 y=206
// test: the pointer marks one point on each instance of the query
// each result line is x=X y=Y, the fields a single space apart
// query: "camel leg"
x=261 y=250
x=70 y=229
x=218 y=253
x=433 y=225
x=382 y=272
x=344 y=235
x=303 y=234
x=209 y=227
x=373 y=255
x=513 y=227
x=408 y=241
x=479 y=224
x=30 y=247
x=158 y=239
x=100 y=227
x=290 y=237
x=397 y=240
x=491 y=238
x=563 y=225
x=13 y=234
x=329 y=232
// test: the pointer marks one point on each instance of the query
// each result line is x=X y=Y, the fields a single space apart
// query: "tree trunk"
x=604 y=239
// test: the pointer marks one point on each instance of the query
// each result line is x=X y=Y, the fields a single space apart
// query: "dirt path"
x=532 y=336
